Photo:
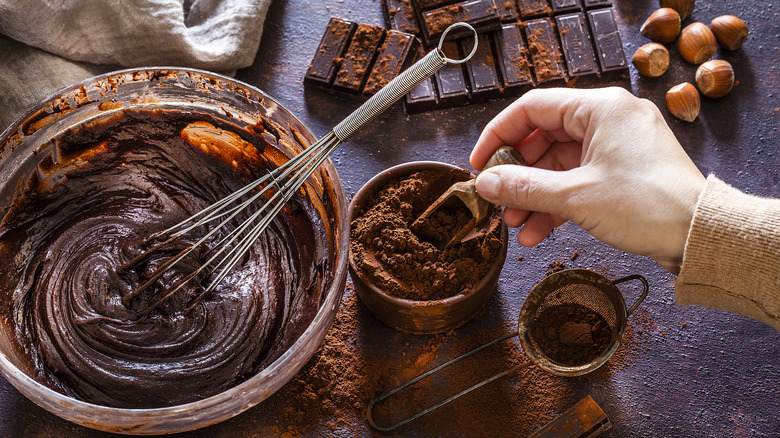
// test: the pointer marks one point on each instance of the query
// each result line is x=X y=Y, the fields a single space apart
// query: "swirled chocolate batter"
x=85 y=210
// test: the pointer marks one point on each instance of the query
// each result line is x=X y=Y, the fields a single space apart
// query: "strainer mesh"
x=568 y=296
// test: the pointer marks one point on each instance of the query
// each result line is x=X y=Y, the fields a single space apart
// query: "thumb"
x=527 y=188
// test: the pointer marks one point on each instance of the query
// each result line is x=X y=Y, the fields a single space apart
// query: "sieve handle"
x=645 y=288
x=401 y=85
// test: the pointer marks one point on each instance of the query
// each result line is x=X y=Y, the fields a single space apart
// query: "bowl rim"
x=152 y=420
x=372 y=186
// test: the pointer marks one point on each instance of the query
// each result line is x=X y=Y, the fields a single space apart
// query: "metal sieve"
x=590 y=293
x=584 y=289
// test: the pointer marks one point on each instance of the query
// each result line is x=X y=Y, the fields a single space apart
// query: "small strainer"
x=570 y=324
x=586 y=296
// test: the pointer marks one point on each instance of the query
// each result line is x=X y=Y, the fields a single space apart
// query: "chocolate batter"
x=85 y=210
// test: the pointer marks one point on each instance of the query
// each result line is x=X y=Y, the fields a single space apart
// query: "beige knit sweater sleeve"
x=732 y=256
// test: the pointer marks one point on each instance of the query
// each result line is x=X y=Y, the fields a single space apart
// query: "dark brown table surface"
x=688 y=371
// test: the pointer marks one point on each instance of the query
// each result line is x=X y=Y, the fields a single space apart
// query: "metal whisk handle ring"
x=398 y=87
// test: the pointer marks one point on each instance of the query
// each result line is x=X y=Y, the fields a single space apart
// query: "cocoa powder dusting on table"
x=332 y=392
x=408 y=265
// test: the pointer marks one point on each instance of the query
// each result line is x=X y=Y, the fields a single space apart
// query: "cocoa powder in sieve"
x=571 y=334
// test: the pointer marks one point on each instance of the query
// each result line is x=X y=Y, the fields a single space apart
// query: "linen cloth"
x=50 y=44
x=732 y=256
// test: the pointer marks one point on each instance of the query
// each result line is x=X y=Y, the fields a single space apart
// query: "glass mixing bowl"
x=184 y=90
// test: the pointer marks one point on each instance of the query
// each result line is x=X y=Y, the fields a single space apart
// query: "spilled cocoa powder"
x=409 y=265
x=361 y=358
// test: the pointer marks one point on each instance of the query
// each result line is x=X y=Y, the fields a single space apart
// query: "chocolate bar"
x=545 y=52
x=401 y=16
x=358 y=58
x=534 y=8
x=576 y=44
x=482 y=73
x=325 y=63
x=606 y=37
x=562 y=6
x=596 y=3
x=481 y=14
x=513 y=63
x=395 y=55
x=450 y=81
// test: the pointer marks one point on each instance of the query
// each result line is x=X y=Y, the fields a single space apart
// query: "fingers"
x=528 y=188
x=564 y=112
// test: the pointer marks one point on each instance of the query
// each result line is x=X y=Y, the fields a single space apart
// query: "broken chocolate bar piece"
x=585 y=419
x=325 y=63
x=507 y=10
x=596 y=3
x=395 y=55
x=481 y=14
x=450 y=81
x=544 y=49
x=534 y=8
x=358 y=58
x=576 y=44
x=606 y=37
x=560 y=6
x=513 y=57
x=401 y=16
x=482 y=73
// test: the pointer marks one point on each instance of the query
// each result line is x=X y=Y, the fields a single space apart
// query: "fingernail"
x=487 y=185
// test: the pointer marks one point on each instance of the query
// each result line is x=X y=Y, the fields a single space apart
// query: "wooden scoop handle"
x=505 y=155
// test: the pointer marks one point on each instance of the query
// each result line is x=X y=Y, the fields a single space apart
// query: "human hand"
x=603 y=159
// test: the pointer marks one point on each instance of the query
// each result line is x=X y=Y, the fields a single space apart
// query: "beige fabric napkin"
x=50 y=44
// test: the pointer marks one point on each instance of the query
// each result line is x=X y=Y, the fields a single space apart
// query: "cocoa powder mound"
x=386 y=250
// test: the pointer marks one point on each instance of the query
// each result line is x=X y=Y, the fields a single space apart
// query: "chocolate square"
x=327 y=59
x=450 y=81
x=481 y=69
x=359 y=57
x=481 y=14
x=421 y=98
x=534 y=8
x=576 y=44
x=507 y=10
x=596 y=3
x=561 y=6
x=424 y=5
x=395 y=55
x=513 y=57
x=401 y=16
x=606 y=37
x=545 y=52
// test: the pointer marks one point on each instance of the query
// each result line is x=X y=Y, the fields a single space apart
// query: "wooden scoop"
x=466 y=192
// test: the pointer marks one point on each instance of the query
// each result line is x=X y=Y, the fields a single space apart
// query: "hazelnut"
x=730 y=31
x=697 y=43
x=662 y=26
x=651 y=60
x=715 y=78
x=683 y=101
x=683 y=7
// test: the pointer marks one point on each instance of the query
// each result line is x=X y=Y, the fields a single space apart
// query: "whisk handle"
x=398 y=87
